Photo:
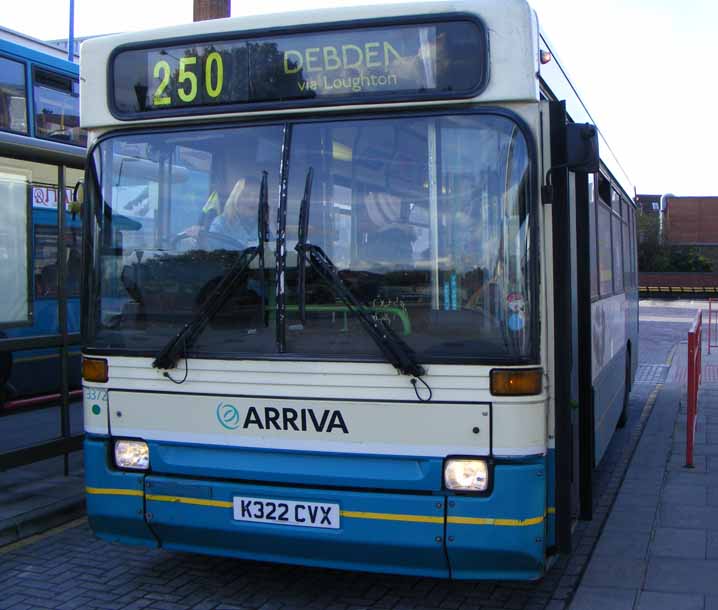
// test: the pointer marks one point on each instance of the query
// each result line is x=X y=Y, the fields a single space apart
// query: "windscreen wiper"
x=302 y=233
x=398 y=353
x=171 y=353
x=262 y=238
x=395 y=350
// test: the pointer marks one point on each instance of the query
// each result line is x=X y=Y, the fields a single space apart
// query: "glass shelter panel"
x=14 y=243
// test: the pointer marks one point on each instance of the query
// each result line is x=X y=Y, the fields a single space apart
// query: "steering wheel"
x=61 y=134
x=202 y=237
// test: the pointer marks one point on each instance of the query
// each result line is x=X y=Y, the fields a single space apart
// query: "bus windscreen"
x=387 y=63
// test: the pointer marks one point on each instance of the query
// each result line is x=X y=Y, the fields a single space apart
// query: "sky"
x=636 y=63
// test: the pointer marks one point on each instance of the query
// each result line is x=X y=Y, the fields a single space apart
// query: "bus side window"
x=13 y=99
x=592 y=234
x=626 y=255
x=57 y=107
x=605 y=263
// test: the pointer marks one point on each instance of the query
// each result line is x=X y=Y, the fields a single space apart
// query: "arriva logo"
x=228 y=416
x=284 y=419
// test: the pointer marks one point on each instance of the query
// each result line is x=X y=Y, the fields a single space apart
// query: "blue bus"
x=41 y=159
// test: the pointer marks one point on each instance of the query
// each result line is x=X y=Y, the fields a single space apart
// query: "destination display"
x=388 y=62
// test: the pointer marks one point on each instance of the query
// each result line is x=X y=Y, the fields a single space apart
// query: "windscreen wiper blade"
x=263 y=238
x=395 y=350
x=170 y=353
x=302 y=233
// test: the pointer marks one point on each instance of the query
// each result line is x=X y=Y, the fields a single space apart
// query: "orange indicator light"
x=94 y=369
x=516 y=382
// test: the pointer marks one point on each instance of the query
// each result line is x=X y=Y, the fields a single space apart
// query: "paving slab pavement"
x=658 y=549
x=37 y=497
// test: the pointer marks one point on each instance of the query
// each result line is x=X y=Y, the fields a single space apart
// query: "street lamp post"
x=71 y=37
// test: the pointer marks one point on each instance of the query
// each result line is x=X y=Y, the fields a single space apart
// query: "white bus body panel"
x=142 y=403
x=608 y=335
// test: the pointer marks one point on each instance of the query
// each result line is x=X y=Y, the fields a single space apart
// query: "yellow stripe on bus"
x=351 y=514
x=499 y=522
x=194 y=501
x=103 y=491
x=390 y=517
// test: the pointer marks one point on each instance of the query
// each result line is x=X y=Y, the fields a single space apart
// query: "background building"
x=691 y=221
x=678 y=244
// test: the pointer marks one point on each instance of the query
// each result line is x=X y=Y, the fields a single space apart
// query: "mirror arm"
x=78 y=198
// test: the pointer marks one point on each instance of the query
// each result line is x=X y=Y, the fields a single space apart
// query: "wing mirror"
x=582 y=148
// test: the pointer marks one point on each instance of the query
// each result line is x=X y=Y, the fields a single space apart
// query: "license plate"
x=286 y=512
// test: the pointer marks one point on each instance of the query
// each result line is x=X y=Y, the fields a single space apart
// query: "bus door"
x=572 y=309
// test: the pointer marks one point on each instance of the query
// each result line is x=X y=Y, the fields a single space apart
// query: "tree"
x=657 y=256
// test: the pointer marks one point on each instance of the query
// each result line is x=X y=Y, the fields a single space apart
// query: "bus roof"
x=13 y=44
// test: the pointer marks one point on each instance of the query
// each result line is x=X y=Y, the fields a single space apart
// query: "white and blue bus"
x=360 y=292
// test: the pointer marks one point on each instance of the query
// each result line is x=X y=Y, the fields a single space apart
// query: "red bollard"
x=694 y=380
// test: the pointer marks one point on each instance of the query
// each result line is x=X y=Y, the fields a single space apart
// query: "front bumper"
x=500 y=536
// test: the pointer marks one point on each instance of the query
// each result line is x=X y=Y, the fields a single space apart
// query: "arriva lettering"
x=299 y=420
x=346 y=56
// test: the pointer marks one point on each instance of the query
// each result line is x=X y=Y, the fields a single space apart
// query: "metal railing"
x=712 y=324
x=694 y=380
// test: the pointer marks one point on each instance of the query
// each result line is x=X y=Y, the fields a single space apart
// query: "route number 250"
x=187 y=83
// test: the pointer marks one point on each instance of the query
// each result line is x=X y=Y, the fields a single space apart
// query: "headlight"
x=132 y=454
x=466 y=475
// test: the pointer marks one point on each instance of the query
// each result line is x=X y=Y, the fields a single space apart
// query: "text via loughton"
x=347 y=67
